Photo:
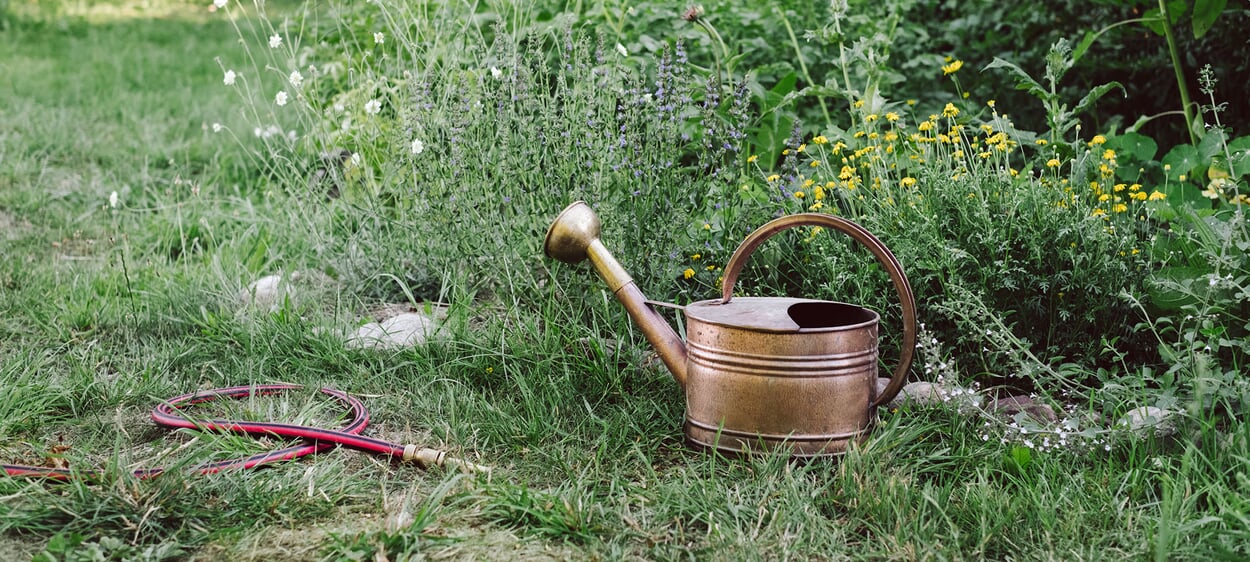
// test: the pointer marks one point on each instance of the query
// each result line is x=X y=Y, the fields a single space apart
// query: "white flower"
x=295 y=78
x=372 y=107
x=113 y=200
x=219 y=4
x=280 y=99
x=621 y=49
x=379 y=38
x=354 y=161
x=496 y=73
x=229 y=78
x=256 y=131
x=275 y=41
x=417 y=146
x=217 y=127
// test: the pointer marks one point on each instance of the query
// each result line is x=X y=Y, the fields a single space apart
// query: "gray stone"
x=266 y=293
x=1149 y=418
x=404 y=330
x=924 y=393
x=1011 y=406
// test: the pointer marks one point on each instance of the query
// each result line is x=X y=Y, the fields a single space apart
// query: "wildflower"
x=870 y=118
x=815 y=163
x=1119 y=208
x=990 y=103
x=695 y=257
x=816 y=206
x=952 y=68
x=808 y=183
x=280 y=99
x=1098 y=213
x=373 y=107
x=891 y=117
x=229 y=78
x=858 y=104
x=1097 y=140
x=774 y=177
x=1108 y=154
x=707 y=226
x=217 y=127
x=912 y=103
x=113 y=200
x=799 y=195
x=818 y=193
x=622 y=50
x=752 y=158
x=275 y=41
x=692 y=14
x=688 y=273
x=1052 y=163
x=1167 y=167
x=820 y=139
x=907 y=181
x=417 y=146
x=1041 y=142
x=801 y=148
x=925 y=126
x=950 y=110
x=846 y=173
x=379 y=38
x=1157 y=195
x=295 y=78
x=1138 y=196
x=219 y=4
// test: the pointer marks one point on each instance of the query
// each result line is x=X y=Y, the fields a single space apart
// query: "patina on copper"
x=761 y=373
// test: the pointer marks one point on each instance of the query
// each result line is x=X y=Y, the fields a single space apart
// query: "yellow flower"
x=1157 y=195
x=911 y=103
x=1134 y=187
x=816 y=206
x=710 y=268
x=952 y=68
x=907 y=181
x=870 y=117
x=1103 y=197
x=846 y=173
x=696 y=257
x=707 y=226
x=891 y=117
x=774 y=177
x=990 y=103
x=799 y=195
x=785 y=152
x=1119 y=208
x=1120 y=187
x=818 y=192
x=1097 y=140
x=802 y=147
x=752 y=158
x=859 y=103
x=815 y=163
x=1138 y=196
x=950 y=110
x=1108 y=154
x=1167 y=167
x=820 y=139
x=1052 y=163
x=688 y=273
x=1098 y=213
x=1041 y=142
x=926 y=126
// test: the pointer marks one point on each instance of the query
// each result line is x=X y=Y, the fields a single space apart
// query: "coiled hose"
x=315 y=440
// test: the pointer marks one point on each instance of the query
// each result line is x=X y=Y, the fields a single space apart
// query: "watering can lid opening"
x=782 y=314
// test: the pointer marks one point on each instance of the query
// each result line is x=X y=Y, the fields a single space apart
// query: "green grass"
x=104 y=312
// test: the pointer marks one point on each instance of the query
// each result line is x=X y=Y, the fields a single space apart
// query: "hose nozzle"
x=433 y=457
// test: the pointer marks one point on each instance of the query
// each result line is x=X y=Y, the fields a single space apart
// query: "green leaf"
x=1212 y=143
x=1083 y=46
x=1092 y=97
x=1239 y=149
x=1180 y=161
x=1023 y=80
x=1140 y=147
x=1165 y=287
x=1205 y=14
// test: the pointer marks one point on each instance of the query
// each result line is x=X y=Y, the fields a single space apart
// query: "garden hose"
x=315 y=440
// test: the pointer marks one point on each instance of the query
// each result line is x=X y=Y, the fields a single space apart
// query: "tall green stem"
x=1180 y=73
x=794 y=41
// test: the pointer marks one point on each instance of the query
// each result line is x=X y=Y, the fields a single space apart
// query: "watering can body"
x=761 y=373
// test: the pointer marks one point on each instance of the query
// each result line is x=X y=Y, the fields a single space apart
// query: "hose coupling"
x=426 y=458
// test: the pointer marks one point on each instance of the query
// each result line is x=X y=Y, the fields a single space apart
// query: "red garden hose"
x=315 y=439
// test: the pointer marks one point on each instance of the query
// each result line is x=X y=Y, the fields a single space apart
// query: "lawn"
x=159 y=158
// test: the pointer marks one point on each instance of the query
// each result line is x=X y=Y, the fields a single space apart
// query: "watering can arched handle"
x=860 y=234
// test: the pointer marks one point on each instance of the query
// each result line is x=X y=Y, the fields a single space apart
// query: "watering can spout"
x=573 y=237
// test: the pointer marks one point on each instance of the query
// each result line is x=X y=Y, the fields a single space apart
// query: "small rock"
x=1149 y=417
x=923 y=393
x=405 y=330
x=1011 y=406
x=267 y=292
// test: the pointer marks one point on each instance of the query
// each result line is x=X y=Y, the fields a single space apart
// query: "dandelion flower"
x=774 y=177
x=752 y=158
x=379 y=38
x=622 y=50
x=891 y=117
x=1157 y=195
x=373 y=107
x=799 y=195
x=228 y=79
x=295 y=78
x=950 y=110
x=952 y=68
x=820 y=139
x=688 y=273
x=281 y=98
x=275 y=41
x=1052 y=163
x=907 y=181
x=1097 y=140
x=417 y=146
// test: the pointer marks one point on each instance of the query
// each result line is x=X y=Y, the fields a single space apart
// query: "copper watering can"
x=761 y=373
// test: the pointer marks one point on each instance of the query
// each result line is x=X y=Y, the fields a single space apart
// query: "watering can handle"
x=860 y=234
